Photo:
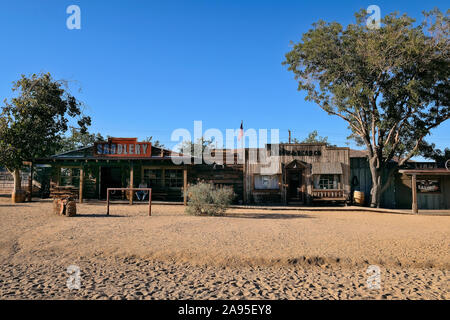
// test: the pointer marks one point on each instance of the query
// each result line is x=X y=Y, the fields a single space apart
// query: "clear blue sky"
x=148 y=67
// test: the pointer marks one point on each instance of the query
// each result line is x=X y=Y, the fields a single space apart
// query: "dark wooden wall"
x=229 y=175
x=440 y=200
x=359 y=168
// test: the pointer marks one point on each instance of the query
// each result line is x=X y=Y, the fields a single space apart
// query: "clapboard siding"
x=359 y=168
x=305 y=155
x=398 y=194
x=427 y=201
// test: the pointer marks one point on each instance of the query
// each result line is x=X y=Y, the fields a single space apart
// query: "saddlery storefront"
x=117 y=163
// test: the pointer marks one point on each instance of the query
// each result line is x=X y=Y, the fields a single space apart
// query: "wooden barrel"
x=71 y=208
x=358 y=197
x=64 y=207
x=18 y=196
x=57 y=206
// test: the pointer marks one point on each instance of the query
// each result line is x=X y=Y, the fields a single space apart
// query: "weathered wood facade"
x=277 y=174
x=423 y=188
x=303 y=174
x=93 y=173
x=399 y=194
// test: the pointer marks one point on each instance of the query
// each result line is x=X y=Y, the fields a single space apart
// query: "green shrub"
x=205 y=199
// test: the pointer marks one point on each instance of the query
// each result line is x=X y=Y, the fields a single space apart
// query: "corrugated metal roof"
x=326 y=168
x=358 y=153
x=431 y=171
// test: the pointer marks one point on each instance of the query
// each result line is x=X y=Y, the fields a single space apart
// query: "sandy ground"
x=248 y=254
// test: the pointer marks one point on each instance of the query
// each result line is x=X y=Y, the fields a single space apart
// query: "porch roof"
x=426 y=172
x=326 y=168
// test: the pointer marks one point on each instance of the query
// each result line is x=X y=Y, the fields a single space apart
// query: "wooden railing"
x=328 y=194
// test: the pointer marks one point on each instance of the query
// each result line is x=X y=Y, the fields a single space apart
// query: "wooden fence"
x=7 y=181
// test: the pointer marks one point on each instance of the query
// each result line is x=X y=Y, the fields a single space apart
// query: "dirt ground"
x=247 y=254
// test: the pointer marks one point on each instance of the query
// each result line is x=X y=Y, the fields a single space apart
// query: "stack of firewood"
x=64 y=201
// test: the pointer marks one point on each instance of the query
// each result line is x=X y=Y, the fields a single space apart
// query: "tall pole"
x=30 y=183
x=81 y=185
x=131 y=182
x=185 y=186
x=414 y=193
x=244 y=169
x=107 y=201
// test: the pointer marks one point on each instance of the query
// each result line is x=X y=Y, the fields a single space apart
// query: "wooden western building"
x=125 y=162
x=304 y=174
x=431 y=181
x=296 y=174
x=117 y=163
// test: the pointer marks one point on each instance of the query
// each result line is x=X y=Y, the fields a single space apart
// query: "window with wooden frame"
x=327 y=181
x=174 y=178
x=266 y=182
x=69 y=177
x=153 y=178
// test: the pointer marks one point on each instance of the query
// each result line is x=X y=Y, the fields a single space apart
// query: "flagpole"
x=244 y=171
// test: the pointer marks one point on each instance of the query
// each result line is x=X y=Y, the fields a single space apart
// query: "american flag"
x=241 y=131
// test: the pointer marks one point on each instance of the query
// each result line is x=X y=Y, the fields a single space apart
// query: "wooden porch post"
x=131 y=182
x=283 y=184
x=81 y=184
x=99 y=181
x=185 y=186
x=414 y=193
x=58 y=175
x=30 y=183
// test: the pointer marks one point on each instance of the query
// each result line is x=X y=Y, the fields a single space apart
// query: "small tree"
x=201 y=143
x=78 y=140
x=32 y=124
x=389 y=84
x=156 y=143
x=313 y=137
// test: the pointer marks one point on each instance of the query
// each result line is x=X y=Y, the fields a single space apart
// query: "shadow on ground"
x=13 y=205
x=97 y=215
x=267 y=216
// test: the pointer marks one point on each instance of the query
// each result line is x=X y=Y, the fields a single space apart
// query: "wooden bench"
x=329 y=195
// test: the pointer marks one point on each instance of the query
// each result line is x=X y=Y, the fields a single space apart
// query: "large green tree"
x=391 y=84
x=430 y=151
x=33 y=122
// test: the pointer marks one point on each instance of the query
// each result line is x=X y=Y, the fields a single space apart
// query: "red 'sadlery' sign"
x=123 y=148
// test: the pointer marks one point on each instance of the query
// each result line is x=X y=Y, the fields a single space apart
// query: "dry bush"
x=206 y=199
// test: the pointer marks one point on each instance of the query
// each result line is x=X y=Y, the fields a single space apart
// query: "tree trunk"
x=18 y=195
x=17 y=181
x=375 y=192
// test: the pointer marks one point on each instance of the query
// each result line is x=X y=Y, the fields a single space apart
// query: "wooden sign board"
x=428 y=186
x=123 y=148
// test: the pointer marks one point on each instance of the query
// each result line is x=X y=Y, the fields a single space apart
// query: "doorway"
x=295 y=188
x=110 y=177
